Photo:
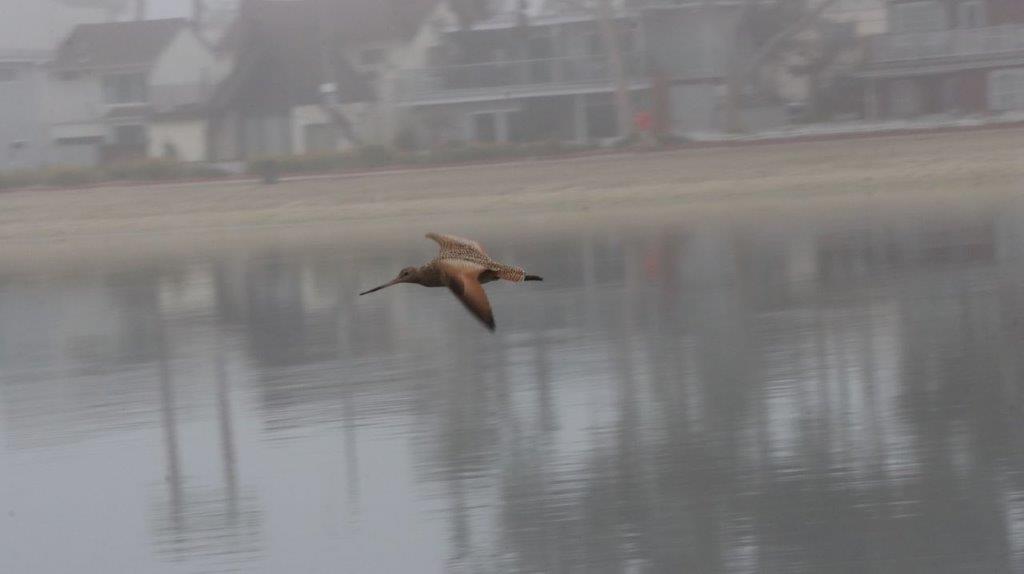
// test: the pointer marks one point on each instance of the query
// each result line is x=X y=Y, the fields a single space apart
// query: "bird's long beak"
x=388 y=284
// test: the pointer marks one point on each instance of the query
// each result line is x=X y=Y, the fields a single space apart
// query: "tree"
x=742 y=70
x=821 y=58
x=469 y=11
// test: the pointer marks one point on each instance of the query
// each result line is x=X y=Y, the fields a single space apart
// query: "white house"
x=23 y=139
x=131 y=89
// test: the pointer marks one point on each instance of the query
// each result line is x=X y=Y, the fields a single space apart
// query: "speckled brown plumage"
x=462 y=265
x=455 y=248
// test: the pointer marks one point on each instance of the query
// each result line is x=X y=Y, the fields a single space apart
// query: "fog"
x=460 y=286
x=40 y=24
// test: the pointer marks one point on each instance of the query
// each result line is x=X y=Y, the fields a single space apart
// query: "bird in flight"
x=462 y=266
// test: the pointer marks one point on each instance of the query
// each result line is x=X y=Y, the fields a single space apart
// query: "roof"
x=117 y=44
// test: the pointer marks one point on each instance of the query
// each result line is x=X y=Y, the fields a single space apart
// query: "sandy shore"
x=952 y=169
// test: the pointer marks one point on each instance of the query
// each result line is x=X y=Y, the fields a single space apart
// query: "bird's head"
x=407 y=275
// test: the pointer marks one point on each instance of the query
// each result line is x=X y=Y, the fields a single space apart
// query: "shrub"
x=142 y=170
x=19 y=178
x=205 y=171
x=72 y=176
x=379 y=156
x=147 y=170
x=374 y=156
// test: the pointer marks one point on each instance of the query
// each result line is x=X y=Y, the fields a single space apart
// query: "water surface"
x=791 y=396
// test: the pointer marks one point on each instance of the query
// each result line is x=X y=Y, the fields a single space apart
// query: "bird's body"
x=463 y=266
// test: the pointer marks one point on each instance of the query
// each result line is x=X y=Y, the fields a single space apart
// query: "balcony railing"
x=960 y=44
x=519 y=76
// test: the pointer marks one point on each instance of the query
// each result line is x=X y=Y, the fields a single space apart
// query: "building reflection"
x=194 y=520
x=864 y=422
x=724 y=398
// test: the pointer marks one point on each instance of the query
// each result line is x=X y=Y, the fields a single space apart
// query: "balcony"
x=172 y=97
x=518 y=78
x=947 y=49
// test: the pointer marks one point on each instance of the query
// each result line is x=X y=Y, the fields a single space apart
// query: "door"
x=485 y=127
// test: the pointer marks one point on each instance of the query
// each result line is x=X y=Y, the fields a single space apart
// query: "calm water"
x=707 y=398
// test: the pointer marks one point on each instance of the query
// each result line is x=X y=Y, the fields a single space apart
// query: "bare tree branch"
x=775 y=42
x=739 y=74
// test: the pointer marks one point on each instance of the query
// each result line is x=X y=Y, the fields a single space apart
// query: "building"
x=24 y=142
x=949 y=57
x=122 y=90
x=28 y=33
x=313 y=77
x=316 y=77
x=817 y=74
x=690 y=46
x=524 y=72
x=542 y=70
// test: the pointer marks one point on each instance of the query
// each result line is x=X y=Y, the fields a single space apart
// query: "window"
x=601 y=117
x=918 y=17
x=1006 y=90
x=130 y=136
x=8 y=74
x=15 y=149
x=485 y=127
x=907 y=98
x=124 y=88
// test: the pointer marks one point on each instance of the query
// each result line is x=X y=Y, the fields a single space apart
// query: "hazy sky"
x=40 y=24
x=169 y=8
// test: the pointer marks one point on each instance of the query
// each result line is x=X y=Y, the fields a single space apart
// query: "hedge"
x=368 y=157
x=142 y=170
x=378 y=156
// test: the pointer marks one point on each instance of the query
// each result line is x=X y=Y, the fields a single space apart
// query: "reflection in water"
x=814 y=397
x=202 y=520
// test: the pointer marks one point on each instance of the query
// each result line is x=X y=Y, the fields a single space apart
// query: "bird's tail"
x=533 y=278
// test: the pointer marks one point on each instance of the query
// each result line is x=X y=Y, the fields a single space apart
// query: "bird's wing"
x=463 y=278
x=454 y=247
